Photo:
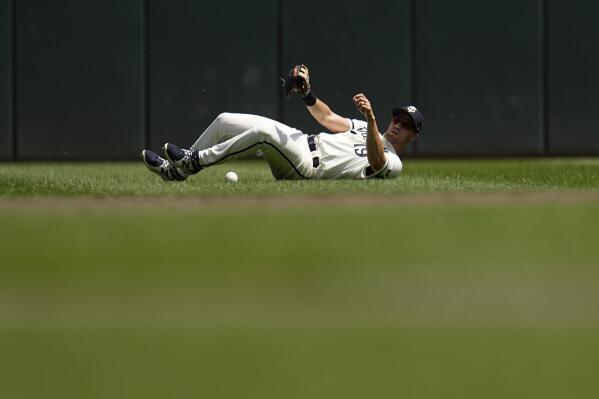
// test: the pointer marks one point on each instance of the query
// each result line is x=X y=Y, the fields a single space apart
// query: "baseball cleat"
x=186 y=160
x=161 y=166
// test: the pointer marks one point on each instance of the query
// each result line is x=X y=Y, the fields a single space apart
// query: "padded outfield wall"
x=88 y=80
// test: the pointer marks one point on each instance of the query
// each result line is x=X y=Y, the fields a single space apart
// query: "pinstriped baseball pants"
x=233 y=136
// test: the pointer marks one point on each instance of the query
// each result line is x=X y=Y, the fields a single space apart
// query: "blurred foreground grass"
x=453 y=301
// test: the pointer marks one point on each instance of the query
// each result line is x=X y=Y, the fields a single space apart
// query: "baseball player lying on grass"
x=355 y=149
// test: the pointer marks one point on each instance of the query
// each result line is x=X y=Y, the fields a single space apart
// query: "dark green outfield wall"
x=79 y=82
x=205 y=58
x=6 y=135
x=84 y=79
x=479 y=76
x=573 y=84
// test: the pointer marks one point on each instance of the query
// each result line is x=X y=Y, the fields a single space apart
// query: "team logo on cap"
x=411 y=109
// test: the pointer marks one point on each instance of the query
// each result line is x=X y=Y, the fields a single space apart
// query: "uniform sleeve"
x=357 y=124
x=391 y=169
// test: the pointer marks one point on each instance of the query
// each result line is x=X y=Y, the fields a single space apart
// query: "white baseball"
x=231 y=177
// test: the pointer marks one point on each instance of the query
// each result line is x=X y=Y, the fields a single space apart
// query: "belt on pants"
x=312 y=145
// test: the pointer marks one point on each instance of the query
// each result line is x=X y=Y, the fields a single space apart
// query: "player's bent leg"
x=240 y=146
x=228 y=125
x=281 y=167
x=161 y=166
x=189 y=161
x=284 y=148
x=287 y=152
x=224 y=126
x=185 y=160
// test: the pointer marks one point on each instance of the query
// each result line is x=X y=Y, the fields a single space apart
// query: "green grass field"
x=420 y=176
x=461 y=279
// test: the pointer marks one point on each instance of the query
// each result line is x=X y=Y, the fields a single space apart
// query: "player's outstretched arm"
x=298 y=81
x=374 y=145
x=327 y=118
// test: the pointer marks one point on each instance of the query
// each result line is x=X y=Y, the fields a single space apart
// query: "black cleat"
x=184 y=159
x=161 y=166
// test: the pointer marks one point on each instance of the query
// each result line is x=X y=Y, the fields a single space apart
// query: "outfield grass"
x=416 y=299
x=111 y=179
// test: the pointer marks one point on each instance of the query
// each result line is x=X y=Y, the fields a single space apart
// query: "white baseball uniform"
x=290 y=153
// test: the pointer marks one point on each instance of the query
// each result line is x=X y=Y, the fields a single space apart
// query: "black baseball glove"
x=297 y=81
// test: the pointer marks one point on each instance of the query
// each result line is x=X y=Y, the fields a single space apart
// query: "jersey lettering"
x=361 y=131
x=360 y=150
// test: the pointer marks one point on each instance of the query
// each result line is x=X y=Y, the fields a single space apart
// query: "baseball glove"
x=297 y=81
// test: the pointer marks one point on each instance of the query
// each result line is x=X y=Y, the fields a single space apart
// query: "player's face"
x=399 y=134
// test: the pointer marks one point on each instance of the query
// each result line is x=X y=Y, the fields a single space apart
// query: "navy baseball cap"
x=414 y=114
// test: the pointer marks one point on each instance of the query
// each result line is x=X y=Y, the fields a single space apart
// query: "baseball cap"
x=413 y=113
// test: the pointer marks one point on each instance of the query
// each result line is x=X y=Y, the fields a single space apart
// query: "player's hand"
x=297 y=81
x=303 y=80
x=363 y=105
